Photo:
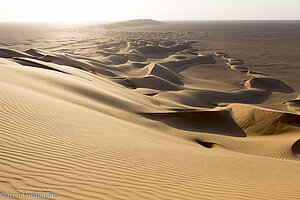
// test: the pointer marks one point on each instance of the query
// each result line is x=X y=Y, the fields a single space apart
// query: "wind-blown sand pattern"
x=145 y=116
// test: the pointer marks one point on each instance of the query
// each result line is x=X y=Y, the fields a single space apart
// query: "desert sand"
x=179 y=110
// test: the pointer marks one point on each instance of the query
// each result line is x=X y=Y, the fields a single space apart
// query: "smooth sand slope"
x=145 y=115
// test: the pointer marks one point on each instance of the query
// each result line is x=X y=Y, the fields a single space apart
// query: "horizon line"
x=171 y=20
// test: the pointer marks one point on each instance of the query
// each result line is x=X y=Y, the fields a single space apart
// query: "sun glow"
x=61 y=10
x=116 y=10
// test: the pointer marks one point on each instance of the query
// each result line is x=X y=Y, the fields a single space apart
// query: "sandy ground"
x=180 y=110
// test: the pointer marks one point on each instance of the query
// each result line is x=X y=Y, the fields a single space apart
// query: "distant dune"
x=132 y=23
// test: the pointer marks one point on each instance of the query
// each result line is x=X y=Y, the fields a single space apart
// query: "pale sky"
x=116 y=10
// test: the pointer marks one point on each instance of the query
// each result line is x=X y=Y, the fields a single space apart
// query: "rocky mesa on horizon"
x=132 y=23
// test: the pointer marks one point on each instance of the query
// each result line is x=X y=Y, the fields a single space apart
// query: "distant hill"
x=132 y=23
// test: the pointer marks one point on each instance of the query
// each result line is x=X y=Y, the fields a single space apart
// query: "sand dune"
x=270 y=84
x=294 y=105
x=239 y=68
x=210 y=98
x=146 y=116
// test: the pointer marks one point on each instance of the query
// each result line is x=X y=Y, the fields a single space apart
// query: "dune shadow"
x=215 y=122
x=296 y=147
x=31 y=63
x=208 y=145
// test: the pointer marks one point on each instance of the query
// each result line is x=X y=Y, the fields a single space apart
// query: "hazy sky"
x=114 y=10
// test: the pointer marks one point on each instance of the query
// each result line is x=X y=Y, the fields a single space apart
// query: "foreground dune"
x=145 y=119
